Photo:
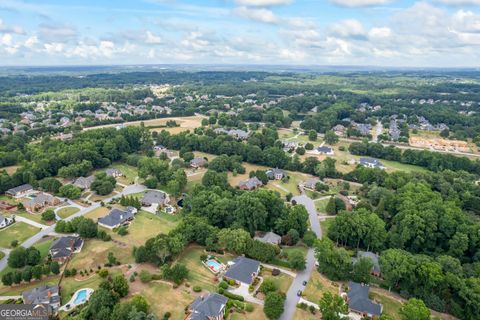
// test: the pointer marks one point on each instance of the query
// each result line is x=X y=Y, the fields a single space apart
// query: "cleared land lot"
x=18 y=231
x=67 y=212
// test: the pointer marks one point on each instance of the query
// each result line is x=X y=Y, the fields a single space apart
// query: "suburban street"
x=292 y=297
x=48 y=230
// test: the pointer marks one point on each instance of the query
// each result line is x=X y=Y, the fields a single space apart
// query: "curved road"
x=135 y=188
x=292 y=298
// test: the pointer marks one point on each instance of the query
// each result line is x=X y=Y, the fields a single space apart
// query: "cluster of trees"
x=103 y=184
x=85 y=227
x=158 y=172
x=433 y=161
x=130 y=201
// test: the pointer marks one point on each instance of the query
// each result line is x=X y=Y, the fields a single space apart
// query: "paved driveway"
x=292 y=297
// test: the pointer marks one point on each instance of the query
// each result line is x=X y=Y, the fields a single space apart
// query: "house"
x=371 y=163
x=117 y=217
x=220 y=131
x=40 y=201
x=209 y=307
x=374 y=257
x=20 y=191
x=268 y=237
x=84 y=183
x=339 y=130
x=250 y=184
x=359 y=302
x=311 y=183
x=198 y=162
x=6 y=206
x=238 y=134
x=152 y=197
x=243 y=270
x=6 y=221
x=114 y=172
x=45 y=294
x=325 y=150
x=289 y=145
x=63 y=248
x=276 y=174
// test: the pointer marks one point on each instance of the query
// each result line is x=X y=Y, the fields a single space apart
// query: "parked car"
x=304 y=282
x=299 y=293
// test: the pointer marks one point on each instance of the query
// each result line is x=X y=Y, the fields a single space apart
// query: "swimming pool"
x=81 y=297
x=214 y=265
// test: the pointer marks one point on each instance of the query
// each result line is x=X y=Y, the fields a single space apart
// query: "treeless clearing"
x=184 y=122
x=97 y=213
x=11 y=169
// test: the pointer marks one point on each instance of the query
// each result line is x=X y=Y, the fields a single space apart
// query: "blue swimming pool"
x=81 y=297
x=214 y=265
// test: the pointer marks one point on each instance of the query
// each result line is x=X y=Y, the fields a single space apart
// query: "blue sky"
x=433 y=33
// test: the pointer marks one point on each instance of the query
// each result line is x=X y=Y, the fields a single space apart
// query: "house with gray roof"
x=45 y=294
x=276 y=174
x=325 y=150
x=84 y=182
x=243 y=270
x=371 y=163
x=20 y=191
x=359 y=302
x=310 y=183
x=152 y=197
x=117 y=217
x=375 y=260
x=208 y=307
x=113 y=172
x=40 y=201
x=5 y=221
x=63 y=248
x=238 y=134
x=268 y=237
x=198 y=162
x=250 y=184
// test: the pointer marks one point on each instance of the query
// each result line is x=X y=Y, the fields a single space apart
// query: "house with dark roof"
x=276 y=174
x=243 y=270
x=40 y=201
x=84 y=182
x=238 y=134
x=113 y=172
x=359 y=302
x=117 y=217
x=6 y=221
x=198 y=162
x=45 y=294
x=325 y=150
x=250 y=184
x=152 y=197
x=208 y=307
x=63 y=248
x=371 y=163
x=375 y=260
x=20 y=191
x=311 y=183
x=268 y=237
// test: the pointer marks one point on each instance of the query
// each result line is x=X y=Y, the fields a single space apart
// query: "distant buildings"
x=311 y=183
x=20 y=191
x=114 y=172
x=250 y=184
x=84 y=182
x=198 y=162
x=371 y=163
x=40 y=202
x=268 y=237
x=154 y=197
x=276 y=174
x=325 y=150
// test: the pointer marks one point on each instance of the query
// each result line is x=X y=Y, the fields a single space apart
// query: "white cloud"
x=6 y=40
x=348 y=28
x=151 y=38
x=379 y=33
x=261 y=15
x=360 y=3
x=56 y=33
x=262 y=3
x=31 y=41
x=54 y=47
x=460 y=2
x=10 y=29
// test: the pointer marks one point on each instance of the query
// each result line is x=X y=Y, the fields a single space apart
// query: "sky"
x=393 y=33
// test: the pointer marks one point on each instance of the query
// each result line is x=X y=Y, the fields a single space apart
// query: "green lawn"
x=321 y=205
x=325 y=224
x=37 y=217
x=282 y=281
x=391 y=307
x=67 y=212
x=18 y=231
x=317 y=286
x=130 y=173
x=2 y=255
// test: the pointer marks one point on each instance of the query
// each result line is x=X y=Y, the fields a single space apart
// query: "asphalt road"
x=135 y=188
x=292 y=297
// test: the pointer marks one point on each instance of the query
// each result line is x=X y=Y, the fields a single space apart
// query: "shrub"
x=249 y=307
x=223 y=285
x=132 y=278
x=233 y=296
x=103 y=273
x=231 y=282
x=275 y=272
x=221 y=290
x=203 y=257
x=145 y=276
x=197 y=289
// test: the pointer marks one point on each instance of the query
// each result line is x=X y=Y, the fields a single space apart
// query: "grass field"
x=391 y=307
x=97 y=213
x=18 y=231
x=256 y=314
x=130 y=173
x=282 y=281
x=147 y=225
x=37 y=217
x=306 y=315
x=325 y=224
x=10 y=170
x=172 y=300
x=67 y=212
x=321 y=205
x=317 y=286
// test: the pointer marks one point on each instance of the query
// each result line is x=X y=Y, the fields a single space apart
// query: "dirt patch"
x=440 y=144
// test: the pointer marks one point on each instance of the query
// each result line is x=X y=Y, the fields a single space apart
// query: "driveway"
x=47 y=230
x=292 y=297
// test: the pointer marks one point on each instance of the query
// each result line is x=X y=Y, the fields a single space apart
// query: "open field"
x=325 y=224
x=18 y=231
x=256 y=314
x=317 y=286
x=97 y=213
x=391 y=307
x=130 y=173
x=10 y=170
x=37 y=217
x=172 y=300
x=67 y=212
x=306 y=315
x=146 y=225
x=321 y=205
x=282 y=281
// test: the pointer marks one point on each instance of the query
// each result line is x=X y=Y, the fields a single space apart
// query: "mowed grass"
x=10 y=169
x=256 y=314
x=147 y=225
x=321 y=205
x=282 y=281
x=97 y=213
x=317 y=286
x=18 y=231
x=163 y=298
x=36 y=217
x=129 y=172
x=391 y=307
x=306 y=315
x=67 y=212
x=198 y=275
x=325 y=225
